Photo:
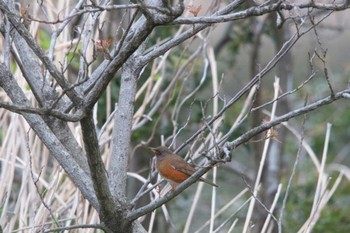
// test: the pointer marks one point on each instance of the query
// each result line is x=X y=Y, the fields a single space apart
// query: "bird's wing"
x=183 y=166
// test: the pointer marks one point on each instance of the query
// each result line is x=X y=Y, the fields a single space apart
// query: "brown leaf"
x=194 y=10
x=101 y=45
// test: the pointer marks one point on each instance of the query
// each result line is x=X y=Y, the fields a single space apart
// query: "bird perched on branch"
x=173 y=168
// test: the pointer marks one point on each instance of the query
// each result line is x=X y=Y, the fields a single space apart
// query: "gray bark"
x=122 y=131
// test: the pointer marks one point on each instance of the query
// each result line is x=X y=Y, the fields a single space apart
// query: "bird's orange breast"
x=167 y=171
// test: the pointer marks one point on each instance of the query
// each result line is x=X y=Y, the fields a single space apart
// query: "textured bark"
x=122 y=131
x=46 y=96
x=111 y=211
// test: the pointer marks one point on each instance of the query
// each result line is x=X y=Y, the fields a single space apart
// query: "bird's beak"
x=152 y=149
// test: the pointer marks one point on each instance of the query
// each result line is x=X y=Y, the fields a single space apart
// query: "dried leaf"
x=194 y=10
x=101 y=45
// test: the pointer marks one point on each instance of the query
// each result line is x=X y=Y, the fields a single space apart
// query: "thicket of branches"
x=87 y=85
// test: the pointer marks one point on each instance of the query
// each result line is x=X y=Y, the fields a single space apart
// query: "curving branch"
x=260 y=10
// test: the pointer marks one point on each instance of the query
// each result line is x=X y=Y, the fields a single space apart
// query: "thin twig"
x=81 y=226
x=301 y=140
x=35 y=181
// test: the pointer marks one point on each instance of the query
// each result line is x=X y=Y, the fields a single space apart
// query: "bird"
x=173 y=168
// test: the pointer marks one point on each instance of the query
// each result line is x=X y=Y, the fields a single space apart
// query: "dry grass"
x=29 y=178
x=35 y=192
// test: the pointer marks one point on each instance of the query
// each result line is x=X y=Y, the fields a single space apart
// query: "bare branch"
x=98 y=8
x=296 y=161
x=20 y=109
x=134 y=214
x=186 y=35
x=73 y=167
x=300 y=111
x=108 y=73
x=16 y=22
x=82 y=226
x=258 y=11
x=122 y=130
x=35 y=181
x=112 y=210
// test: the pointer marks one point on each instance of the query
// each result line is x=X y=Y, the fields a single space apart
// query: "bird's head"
x=160 y=150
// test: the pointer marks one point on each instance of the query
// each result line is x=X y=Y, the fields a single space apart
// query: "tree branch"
x=258 y=11
x=170 y=195
x=22 y=30
x=111 y=210
x=20 y=109
x=187 y=34
x=122 y=130
x=67 y=228
x=64 y=157
x=263 y=127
